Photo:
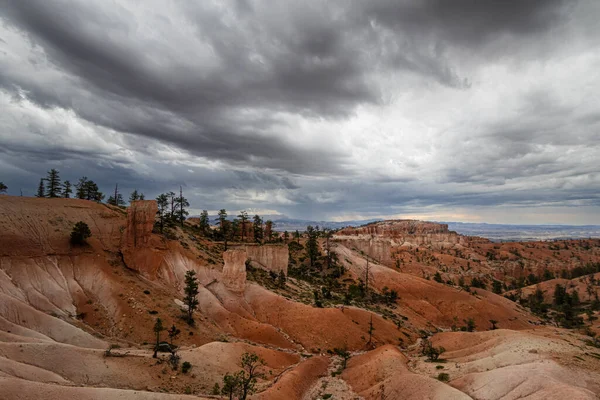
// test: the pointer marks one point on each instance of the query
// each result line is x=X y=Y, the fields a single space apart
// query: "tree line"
x=86 y=189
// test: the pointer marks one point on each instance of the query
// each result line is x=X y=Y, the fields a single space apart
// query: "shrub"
x=432 y=353
x=186 y=366
x=81 y=231
x=443 y=376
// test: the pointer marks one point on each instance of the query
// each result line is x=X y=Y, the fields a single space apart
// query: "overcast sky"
x=435 y=109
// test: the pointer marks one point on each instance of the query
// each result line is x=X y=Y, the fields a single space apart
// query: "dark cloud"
x=317 y=108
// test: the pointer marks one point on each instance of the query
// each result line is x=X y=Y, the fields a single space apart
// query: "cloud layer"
x=324 y=109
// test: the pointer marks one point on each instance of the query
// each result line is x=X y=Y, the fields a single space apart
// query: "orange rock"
x=234 y=270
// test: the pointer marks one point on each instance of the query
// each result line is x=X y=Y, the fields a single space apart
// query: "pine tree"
x=171 y=196
x=297 y=235
x=223 y=226
x=269 y=230
x=162 y=201
x=286 y=236
x=134 y=196
x=312 y=247
x=328 y=233
x=53 y=183
x=173 y=333
x=257 y=229
x=117 y=198
x=204 y=224
x=233 y=229
x=88 y=190
x=3 y=187
x=191 y=295
x=80 y=187
x=243 y=219
x=67 y=189
x=158 y=328
x=81 y=231
x=41 y=192
x=181 y=204
x=371 y=330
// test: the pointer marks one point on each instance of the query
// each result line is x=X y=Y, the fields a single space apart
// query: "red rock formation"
x=234 y=270
x=269 y=257
x=140 y=221
x=379 y=239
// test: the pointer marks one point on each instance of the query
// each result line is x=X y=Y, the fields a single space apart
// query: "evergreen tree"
x=134 y=196
x=81 y=231
x=117 y=198
x=231 y=384
x=88 y=190
x=328 y=234
x=173 y=333
x=162 y=201
x=243 y=220
x=158 y=328
x=286 y=236
x=3 y=187
x=191 y=295
x=235 y=226
x=171 y=196
x=269 y=230
x=257 y=229
x=223 y=226
x=53 y=183
x=312 y=246
x=250 y=364
x=204 y=224
x=222 y=220
x=41 y=192
x=281 y=278
x=181 y=204
x=371 y=330
x=80 y=187
x=560 y=295
x=497 y=287
x=67 y=189
x=297 y=235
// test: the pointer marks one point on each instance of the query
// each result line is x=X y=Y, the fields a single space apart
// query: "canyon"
x=62 y=306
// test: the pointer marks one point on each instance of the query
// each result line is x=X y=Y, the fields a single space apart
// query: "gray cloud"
x=317 y=108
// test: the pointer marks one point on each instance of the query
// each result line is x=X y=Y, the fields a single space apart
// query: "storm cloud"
x=465 y=110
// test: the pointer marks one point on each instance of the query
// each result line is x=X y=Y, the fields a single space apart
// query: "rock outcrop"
x=234 y=270
x=378 y=240
x=269 y=257
x=140 y=221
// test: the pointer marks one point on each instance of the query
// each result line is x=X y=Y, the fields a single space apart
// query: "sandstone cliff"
x=234 y=270
x=140 y=221
x=269 y=257
x=378 y=240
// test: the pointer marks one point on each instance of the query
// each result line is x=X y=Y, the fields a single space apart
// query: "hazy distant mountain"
x=506 y=232
x=495 y=232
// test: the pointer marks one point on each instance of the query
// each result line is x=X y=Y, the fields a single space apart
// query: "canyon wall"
x=140 y=221
x=378 y=240
x=269 y=257
x=234 y=270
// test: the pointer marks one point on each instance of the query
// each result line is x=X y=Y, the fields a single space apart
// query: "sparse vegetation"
x=243 y=383
x=81 y=231
x=191 y=295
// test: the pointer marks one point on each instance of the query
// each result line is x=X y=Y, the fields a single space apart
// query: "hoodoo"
x=234 y=270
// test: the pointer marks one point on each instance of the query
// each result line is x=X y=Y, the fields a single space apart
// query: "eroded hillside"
x=63 y=306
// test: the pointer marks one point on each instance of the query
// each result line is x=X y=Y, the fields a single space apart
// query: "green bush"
x=186 y=366
x=81 y=231
x=444 y=377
